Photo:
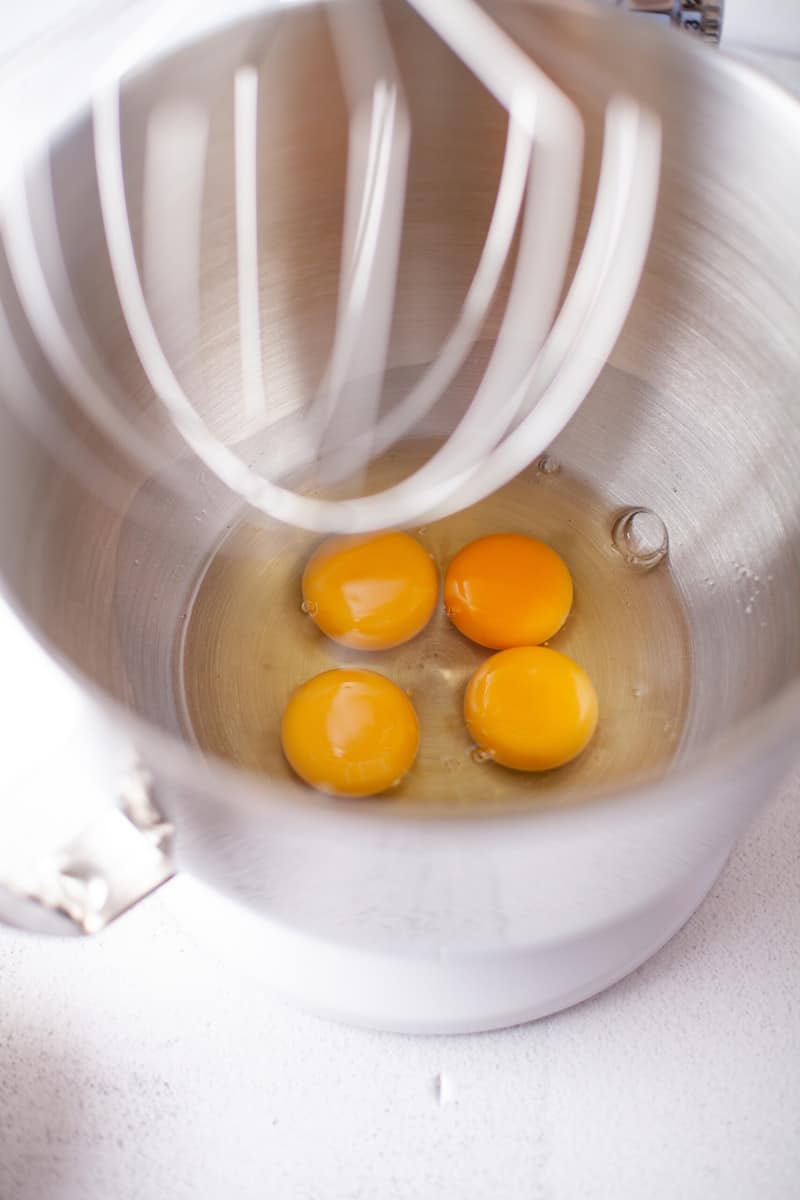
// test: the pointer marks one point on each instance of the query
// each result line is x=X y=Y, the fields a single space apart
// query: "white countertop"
x=133 y=1068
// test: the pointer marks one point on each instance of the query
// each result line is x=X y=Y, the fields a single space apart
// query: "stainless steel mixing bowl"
x=696 y=416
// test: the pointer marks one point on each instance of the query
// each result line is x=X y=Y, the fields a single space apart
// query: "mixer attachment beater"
x=547 y=353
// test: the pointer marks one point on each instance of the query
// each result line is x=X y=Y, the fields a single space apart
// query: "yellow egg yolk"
x=532 y=708
x=507 y=590
x=370 y=593
x=350 y=732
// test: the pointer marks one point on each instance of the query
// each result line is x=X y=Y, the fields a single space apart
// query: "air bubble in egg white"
x=641 y=537
x=548 y=465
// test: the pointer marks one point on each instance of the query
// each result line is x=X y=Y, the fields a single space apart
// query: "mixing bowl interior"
x=695 y=417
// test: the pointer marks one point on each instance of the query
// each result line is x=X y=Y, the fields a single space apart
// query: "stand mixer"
x=461 y=922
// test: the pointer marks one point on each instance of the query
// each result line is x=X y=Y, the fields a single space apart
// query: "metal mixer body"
x=696 y=416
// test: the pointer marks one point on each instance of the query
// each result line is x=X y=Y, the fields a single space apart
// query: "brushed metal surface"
x=696 y=417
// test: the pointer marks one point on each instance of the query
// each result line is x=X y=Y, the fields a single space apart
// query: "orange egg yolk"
x=507 y=590
x=350 y=732
x=370 y=593
x=532 y=708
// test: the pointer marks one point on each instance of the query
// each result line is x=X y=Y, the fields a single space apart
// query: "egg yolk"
x=350 y=732
x=370 y=593
x=507 y=590
x=532 y=708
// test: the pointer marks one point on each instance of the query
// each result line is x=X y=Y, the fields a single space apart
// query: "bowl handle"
x=81 y=837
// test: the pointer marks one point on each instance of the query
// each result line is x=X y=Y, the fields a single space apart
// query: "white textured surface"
x=772 y=25
x=131 y=1068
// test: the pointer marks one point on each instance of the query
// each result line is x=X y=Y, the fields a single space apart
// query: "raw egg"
x=370 y=593
x=531 y=708
x=507 y=590
x=350 y=732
